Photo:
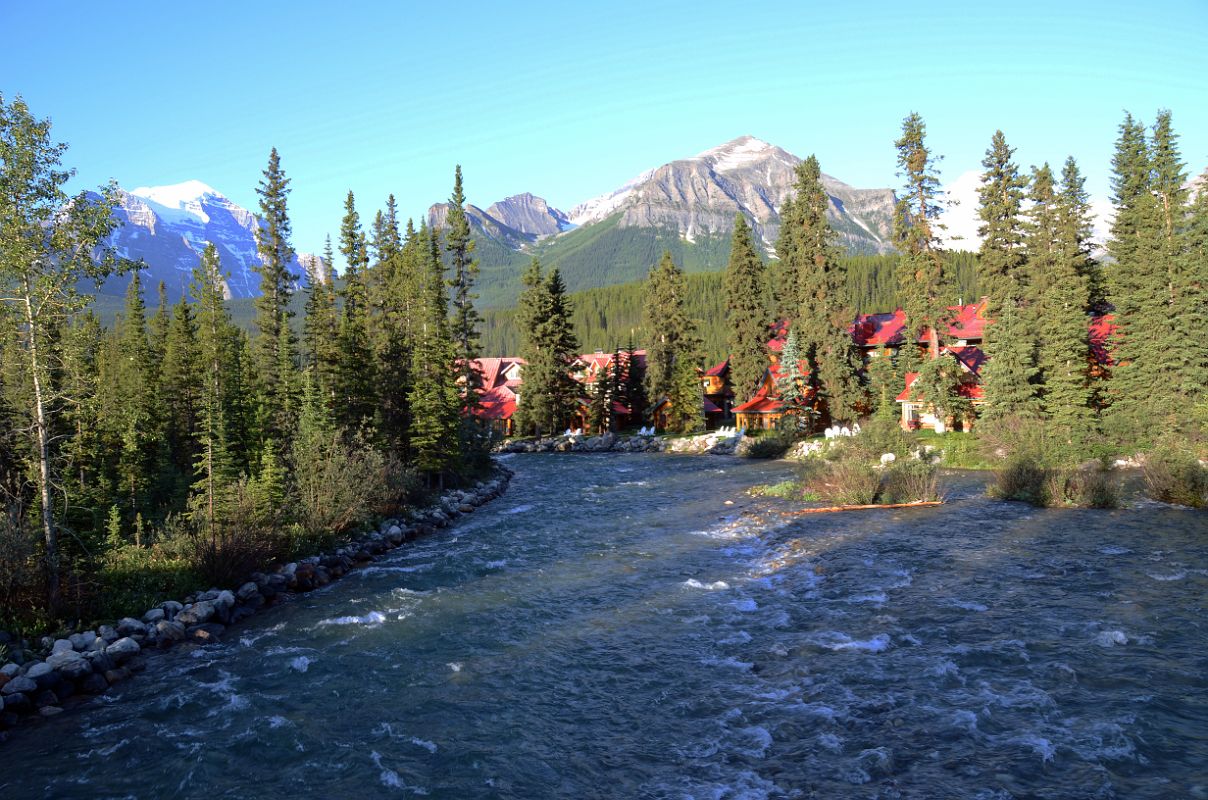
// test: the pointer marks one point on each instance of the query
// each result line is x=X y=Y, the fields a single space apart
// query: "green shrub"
x=910 y=481
x=1091 y=486
x=769 y=445
x=1022 y=477
x=878 y=435
x=847 y=482
x=1173 y=476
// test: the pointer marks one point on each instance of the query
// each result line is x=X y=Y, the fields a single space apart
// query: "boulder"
x=18 y=702
x=100 y=661
x=166 y=633
x=62 y=646
x=10 y=670
x=81 y=641
x=129 y=626
x=224 y=603
x=42 y=674
x=123 y=649
x=247 y=591
x=72 y=666
x=22 y=684
x=171 y=608
x=196 y=614
x=208 y=595
x=154 y=615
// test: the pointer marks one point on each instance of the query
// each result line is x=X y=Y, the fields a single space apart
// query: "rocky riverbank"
x=62 y=673
x=713 y=443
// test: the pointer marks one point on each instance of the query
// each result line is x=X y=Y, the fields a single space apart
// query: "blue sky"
x=568 y=101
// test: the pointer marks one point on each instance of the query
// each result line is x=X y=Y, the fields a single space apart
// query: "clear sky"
x=570 y=100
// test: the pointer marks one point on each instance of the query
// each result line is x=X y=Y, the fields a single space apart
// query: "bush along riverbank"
x=62 y=673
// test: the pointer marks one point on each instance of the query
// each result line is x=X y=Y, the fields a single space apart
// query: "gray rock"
x=247 y=591
x=62 y=646
x=208 y=595
x=72 y=666
x=50 y=711
x=167 y=632
x=81 y=641
x=171 y=608
x=128 y=626
x=100 y=661
x=94 y=684
x=123 y=649
x=18 y=702
x=10 y=670
x=117 y=675
x=223 y=604
x=153 y=616
x=199 y=612
x=21 y=684
x=42 y=674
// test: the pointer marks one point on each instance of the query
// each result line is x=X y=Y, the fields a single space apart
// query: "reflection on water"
x=610 y=628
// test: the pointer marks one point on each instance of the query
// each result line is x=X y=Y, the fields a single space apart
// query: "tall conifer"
x=746 y=316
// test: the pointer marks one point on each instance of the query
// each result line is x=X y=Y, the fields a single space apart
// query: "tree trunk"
x=49 y=534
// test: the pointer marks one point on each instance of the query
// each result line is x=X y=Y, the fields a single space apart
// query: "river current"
x=611 y=628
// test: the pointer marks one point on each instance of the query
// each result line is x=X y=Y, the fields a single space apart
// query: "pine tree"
x=273 y=347
x=635 y=383
x=920 y=269
x=1058 y=234
x=464 y=328
x=784 y=288
x=180 y=382
x=1190 y=312
x=685 y=413
x=792 y=383
x=221 y=439
x=746 y=317
x=1008 y=376
x=357 y=400
x=669 y=330
x=434 y=400
x=320 y=327
x=550 y=396
x=393 y=308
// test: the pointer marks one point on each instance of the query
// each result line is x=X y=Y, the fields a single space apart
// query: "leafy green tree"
x=746 y=316
x=274 y=348
x=49 y=244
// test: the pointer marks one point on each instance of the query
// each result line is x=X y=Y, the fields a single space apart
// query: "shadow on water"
x=610 y=628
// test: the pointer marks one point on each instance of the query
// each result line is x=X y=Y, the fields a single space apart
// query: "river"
x=611 y=628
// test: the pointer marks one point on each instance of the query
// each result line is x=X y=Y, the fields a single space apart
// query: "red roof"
x=498 y=403
x=878 y=330
x=760 y=404
x=970 y=391
x=711 y=407
x=970 y=357
x=720 y=370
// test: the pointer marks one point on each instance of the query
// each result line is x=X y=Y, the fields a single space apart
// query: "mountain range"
x=168 y=227
x=686 y=206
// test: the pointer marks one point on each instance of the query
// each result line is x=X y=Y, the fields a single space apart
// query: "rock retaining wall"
x=69 y=671
x=715 y=443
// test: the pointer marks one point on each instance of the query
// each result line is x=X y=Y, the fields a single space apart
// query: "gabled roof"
x=970 y=356
x=878 y=330
x=970 y=391
x=719 y=371
x=760 y=404
x=711 y=407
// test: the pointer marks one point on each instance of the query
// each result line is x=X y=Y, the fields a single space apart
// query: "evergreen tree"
x=221 y=439
x=320 y=327
x=669 y=330
x=1190 y=311
x=433 y=398
x=920 y=269
x=635 y=383
x=1008 y=376
x=464 y=328
x=180 y=382
x=550 y=396
x=599 y=410
x=393 y=303
x=685 y=413
x=357 y=400
x=1059 y=263
x=884 y=383
x=273 y=347
x=746 y=317
x=792 y=383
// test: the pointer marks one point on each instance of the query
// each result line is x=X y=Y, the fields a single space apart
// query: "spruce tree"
x=669 y=330
x=180 y=382
x=792 y=383
x=686 y=411
x=1190 y=312
x=1059 y=264
x=434 y=400
x=635 y=384
x=273 y=347
x=1008 y=376
x=394 y=292
x=358 y=402
x=746 y=317
x=320 y=327
x=464 y=329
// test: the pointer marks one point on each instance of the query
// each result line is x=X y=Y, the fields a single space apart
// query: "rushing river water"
x=610 y=628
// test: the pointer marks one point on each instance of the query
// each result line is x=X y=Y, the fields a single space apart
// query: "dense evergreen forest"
x=606 y=317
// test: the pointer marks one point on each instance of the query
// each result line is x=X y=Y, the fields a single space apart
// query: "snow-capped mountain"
x=699 y=196
x=515 y=222
x=168 y=227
